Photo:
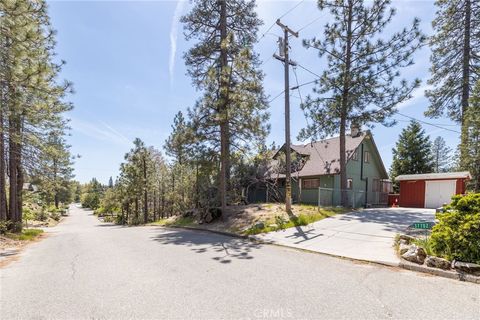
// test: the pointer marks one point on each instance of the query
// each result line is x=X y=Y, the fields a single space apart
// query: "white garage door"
x=439 y=192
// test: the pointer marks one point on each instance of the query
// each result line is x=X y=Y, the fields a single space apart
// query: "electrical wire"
x=283 y=15
x=309 y=24
x=308 y=70
x=399 y=113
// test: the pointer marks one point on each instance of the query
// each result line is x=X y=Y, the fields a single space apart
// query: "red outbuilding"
x=431 y=190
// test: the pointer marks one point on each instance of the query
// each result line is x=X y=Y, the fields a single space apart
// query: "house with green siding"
x=316 y=173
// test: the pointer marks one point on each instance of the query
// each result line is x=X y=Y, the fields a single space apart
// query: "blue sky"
x=125 y=60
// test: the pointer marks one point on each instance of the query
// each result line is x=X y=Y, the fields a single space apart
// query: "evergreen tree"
x=176 y=146
x=470 y=148
x=412 y=153
x=441 y=155
x=455 y=61
x=362 y=71
x=92 y=192
x=110 y=182
x=31 y=100
x=222 y=63
x=54 y=170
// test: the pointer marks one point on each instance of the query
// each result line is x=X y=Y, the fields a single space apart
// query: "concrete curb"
x=382 y=263
x=407 y=266
x=441 y=273
x=223 y=233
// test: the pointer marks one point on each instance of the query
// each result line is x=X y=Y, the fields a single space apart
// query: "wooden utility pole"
x=284 y=58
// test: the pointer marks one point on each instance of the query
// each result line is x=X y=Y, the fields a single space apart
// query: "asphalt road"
x=89 y=270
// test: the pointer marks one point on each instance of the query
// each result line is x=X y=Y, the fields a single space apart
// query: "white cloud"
x=99 y=131
x=173 y=37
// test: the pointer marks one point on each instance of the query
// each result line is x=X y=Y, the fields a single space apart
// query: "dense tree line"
x=32 y=123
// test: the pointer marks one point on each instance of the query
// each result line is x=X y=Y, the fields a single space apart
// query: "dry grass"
x=241 y=219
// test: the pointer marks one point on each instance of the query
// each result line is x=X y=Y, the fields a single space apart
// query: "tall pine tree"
x=442 y=155
x=360 y=83
x=455 y=61
x=32 y=101
x=470 y=147
x=412 y=153
x=222 y=63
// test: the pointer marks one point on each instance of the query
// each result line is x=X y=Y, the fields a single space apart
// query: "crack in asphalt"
x=73 y=266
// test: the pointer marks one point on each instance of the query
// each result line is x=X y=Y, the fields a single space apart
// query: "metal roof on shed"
x=435 y=176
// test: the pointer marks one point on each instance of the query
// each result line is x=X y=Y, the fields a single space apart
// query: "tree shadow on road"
x=394 y=220
x=225 y=249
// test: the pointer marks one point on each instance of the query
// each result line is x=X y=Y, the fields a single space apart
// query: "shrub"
x=457 y=234
x=41 y=215
x=280 y=221
x=55 y=215
x=4 y=226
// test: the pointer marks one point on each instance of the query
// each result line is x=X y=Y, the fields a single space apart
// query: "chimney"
x=354 y=130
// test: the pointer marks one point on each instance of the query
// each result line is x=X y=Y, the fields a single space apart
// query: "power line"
x=283 y=15
x=303 y=84
x=274 y=98
x=309 y=71
x=310 y=23
x=428 y=123
x=291 y=9
x=404 y=115
x=300 y=95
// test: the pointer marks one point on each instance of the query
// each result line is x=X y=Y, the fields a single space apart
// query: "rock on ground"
x=467 y=267
x=415 y=254
x=436 y=262
x=403 y=248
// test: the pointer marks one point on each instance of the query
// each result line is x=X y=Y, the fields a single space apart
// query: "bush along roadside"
x=454 y=242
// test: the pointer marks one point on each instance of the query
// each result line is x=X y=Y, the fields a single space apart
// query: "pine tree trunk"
x=344 y=108
x=56 y=201
x=466 y=71
x=154 y=205
x=13 y=168
x=128 y=211
x=3 y=185
x=145 y=190
x=137 y=205
x=223 y=107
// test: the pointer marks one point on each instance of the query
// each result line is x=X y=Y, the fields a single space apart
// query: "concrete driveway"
x=365 y=234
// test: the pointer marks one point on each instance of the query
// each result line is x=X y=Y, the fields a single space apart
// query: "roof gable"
x=324 y=155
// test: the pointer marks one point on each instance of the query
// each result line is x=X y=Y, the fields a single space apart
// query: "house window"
x=366 y=157
x=349 y=183
x=355 y=155
x=311 y=183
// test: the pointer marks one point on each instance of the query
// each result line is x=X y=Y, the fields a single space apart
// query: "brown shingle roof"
x=324 y=155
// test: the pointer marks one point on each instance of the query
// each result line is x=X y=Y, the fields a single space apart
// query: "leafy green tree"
x=455 y=62
x=470 y=147
x=442 y=155
x=360 y=83
x=412 y=153
x=232 y=111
